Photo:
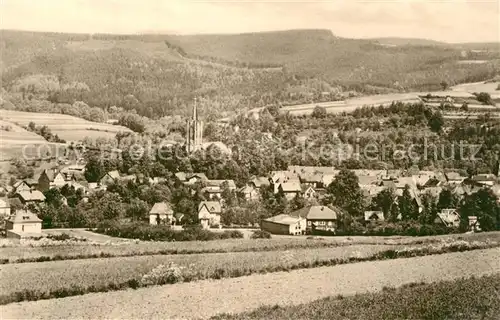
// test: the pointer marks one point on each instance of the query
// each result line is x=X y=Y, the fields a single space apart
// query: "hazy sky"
x=446 y=20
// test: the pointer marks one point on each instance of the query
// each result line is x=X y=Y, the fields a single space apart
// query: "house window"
x=309 y=223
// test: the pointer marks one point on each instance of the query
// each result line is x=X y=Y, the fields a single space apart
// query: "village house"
x=156 y=180
x=449 y=218
x=308 y=192
x=209 y=214
x=4 y=208
x=284 y=224
x=249 y=192
x=311 y=179
x=23 y=224
x=454 y=178
x=374 y=216
x=259 y=182
x=214 y=188
x=53 y=179
x=319 y=218
x=110 y=178
x=486 y=179
x=191 y=178
x=283 y=176
x=161 y=213
x=32 y=196
x=290 y=189
x=21 y=186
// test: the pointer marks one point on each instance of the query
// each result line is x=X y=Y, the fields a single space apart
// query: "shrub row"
x=163 y=233
x=172 y=273
x=404 y=228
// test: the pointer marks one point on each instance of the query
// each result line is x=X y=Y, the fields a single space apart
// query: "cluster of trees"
x=344 y=192
x=45 y=132
x=394 y=129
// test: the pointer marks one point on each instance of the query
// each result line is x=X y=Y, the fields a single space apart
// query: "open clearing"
x=66 y=127
x=210 y=297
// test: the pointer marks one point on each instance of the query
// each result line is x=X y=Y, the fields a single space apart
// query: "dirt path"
x=207 y=298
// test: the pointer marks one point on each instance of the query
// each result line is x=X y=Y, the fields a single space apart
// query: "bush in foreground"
x=163 y=233
x=260 y=234
x=460 y=299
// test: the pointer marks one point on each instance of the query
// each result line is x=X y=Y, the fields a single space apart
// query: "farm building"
x=161 y=213
x=23 y=224
x=284 y=224
x=319 y=218
x=209 y=213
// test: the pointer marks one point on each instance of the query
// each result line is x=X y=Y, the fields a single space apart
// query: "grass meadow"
x=472 y=298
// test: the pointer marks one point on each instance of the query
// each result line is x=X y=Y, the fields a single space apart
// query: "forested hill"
x=159 y=75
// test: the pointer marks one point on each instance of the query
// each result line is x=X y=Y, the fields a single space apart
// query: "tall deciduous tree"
x=344 y=192
x=484 y=205
x=407 y=205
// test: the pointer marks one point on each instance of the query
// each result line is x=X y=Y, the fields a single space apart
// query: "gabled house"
x=284 y=224
x=23 y=224
x=290 y=189
x=311 y=179
x=161 y=213
x=209 y=213
x=21 y=186
x=374 y=216
x=318 y=218
x=32 y=196
x=308 y=192
x=448 y=217
x=110 y=178
x=195 y=178
x=259 y=182
x=454 y=177
x=181 y=176
x=49 y=179
x=214 y=188
x=249 y=192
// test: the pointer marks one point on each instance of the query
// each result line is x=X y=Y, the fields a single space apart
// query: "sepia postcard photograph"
x=246 y=160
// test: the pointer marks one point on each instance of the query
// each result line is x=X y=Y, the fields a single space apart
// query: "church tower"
x=194 y=131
